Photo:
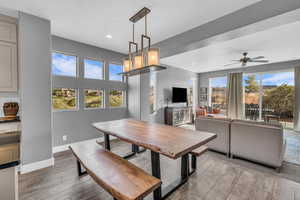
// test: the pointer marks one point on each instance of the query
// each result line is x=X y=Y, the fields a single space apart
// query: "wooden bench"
x=122 y=179
x=196 y=153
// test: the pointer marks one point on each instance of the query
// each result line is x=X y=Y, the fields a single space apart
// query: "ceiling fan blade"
x=259 y=61
x=235 y=60
x=258 y=57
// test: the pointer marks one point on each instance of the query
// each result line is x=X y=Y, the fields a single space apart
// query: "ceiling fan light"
x=153 y=56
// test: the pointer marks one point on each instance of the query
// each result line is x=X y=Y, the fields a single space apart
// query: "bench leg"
x=106 y=142
x=155 y=163
x=80 y=172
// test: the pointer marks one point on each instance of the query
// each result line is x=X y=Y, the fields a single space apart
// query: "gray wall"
x=204 y=77
x=172 y=77
x=77 y=124
x=139 y=88
x=35 y=77
x=134 y=103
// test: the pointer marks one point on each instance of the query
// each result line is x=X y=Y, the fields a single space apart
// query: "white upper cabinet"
x=8 y=57
x=8 y=32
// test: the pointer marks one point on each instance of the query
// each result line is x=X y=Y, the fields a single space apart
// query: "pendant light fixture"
x=147 y=58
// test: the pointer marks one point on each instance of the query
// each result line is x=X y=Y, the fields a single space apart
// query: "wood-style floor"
x=217 y=178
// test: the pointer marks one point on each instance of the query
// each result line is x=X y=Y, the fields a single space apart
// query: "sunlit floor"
x=217 y=178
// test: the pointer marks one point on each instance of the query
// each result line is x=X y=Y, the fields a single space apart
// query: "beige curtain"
x=235 y=96
x=297 y=100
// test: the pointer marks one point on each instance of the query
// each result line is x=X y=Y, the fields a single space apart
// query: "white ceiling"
x=90 y=21
x=276 y=44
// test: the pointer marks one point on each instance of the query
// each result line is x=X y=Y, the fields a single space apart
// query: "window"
x=93 y=69
x=217 y=91
x=64 y=65
x=190 y=94
x=64 y=99
x=114 y=71
x=270 y=96
x=93 y=98
x=251 y=84
x=116 y=98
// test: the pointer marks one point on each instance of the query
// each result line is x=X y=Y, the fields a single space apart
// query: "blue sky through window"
x=93 y=69
x=114 y=69
x=218 y=82
x=63 y=65
x=278 y=78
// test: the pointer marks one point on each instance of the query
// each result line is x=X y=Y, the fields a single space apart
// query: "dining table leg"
x=155 y=164
x=128 y=155
x=106 y=142
x=160 y=193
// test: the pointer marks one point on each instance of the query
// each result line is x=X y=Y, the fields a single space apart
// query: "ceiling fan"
x=244 y=60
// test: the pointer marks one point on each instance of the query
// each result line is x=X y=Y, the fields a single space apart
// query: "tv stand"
x=176 y=116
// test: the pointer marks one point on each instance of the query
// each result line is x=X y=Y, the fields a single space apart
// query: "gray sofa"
x=219 y=126
x=257 y=141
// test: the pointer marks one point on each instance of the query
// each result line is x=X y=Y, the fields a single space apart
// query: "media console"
x=176 y=116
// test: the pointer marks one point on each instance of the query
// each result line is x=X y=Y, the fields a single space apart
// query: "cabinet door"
x=8 y=32
x=8 y=67
x=9 y=153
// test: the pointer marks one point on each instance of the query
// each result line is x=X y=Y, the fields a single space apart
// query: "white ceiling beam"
x=231 y=26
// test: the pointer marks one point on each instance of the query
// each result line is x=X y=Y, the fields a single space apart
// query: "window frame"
x=209 y=96
x=115 y=63
x=103 y=99
x=66 y=54
x=77 y=91
x=94 y=59
x=260 y=75
x=123 y=99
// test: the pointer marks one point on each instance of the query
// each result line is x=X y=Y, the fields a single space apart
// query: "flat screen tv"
x=179 y=95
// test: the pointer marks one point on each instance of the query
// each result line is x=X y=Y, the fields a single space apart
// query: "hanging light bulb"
x=138 y=61
x=146 y=58
x=126 y=64
x=153 y=56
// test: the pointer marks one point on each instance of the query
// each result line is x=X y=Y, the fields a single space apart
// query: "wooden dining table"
x=170 y=141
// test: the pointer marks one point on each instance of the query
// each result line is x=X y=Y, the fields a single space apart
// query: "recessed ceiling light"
x=108 y=36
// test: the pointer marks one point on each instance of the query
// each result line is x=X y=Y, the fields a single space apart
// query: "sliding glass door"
x=278 y=97
x=217 y=97
x=252 y=96
x=270 y=97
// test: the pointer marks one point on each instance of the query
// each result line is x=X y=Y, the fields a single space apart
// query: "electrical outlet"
x=65 y=138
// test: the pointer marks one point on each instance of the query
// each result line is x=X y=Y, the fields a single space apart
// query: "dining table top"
x=170 y=141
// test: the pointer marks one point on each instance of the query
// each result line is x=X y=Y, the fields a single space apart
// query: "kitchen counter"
x=10 y=134
x=10 y=164
x=9 y=121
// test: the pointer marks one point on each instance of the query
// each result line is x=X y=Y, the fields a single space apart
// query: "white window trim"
x=67 y=54
x=103 y=100
x=67 y=110
x=95 y=59
x=261 y=92
x=123 y=101
x=115 y=63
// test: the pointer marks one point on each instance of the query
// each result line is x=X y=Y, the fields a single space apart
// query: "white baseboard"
x=65 y=147
x=37 y=165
